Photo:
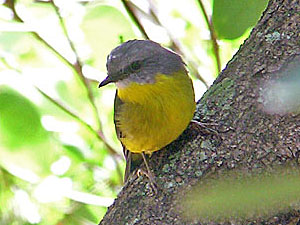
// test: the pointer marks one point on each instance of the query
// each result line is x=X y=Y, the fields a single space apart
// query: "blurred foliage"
x=12 y=106
x=60 y=161
x=237 y=197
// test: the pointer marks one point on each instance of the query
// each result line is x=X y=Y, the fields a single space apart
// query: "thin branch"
x=98 y=135
x=175 y=45
x=213 y=35
x=78 y=65
x=74 y=116
x=10 y=4
x=134 y=17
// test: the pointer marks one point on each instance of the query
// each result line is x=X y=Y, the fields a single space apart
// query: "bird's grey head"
x=139 y=61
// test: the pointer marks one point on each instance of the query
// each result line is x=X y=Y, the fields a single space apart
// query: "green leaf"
x=231 y=18
x=20 y=121
x=74 y=152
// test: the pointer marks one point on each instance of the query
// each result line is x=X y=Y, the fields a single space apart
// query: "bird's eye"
x=135 y=65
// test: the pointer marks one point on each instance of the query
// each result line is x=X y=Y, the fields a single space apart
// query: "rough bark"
x=249 y=139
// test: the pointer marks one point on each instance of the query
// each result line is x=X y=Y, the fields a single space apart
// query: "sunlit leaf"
x=231 y=18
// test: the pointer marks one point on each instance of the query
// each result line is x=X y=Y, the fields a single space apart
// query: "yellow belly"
x=153 y=115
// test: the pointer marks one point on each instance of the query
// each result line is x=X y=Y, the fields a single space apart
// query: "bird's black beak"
x=106 y=81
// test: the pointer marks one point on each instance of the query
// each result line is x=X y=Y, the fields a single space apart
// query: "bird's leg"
x=149 y=174
x=128 y=164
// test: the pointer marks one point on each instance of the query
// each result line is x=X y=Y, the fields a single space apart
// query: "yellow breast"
x=153 y=115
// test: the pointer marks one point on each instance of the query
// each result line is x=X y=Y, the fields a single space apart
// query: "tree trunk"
x=255 y=130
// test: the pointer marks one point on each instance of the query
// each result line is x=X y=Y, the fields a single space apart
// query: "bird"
x=154 y=101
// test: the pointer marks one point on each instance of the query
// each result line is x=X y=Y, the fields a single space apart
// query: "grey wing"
x=132 y=160
x=117 y=108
